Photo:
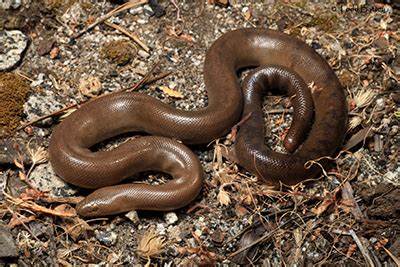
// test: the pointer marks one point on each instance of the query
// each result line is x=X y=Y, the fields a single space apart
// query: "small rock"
x=143 y=54
x=218 y=237
x=175 y=233
x=392 y=177
x=8 y=249
x=136 y=11
x=107 y=238
x=8 y=4
x=90 y=86
x=45 y=46
x=198 y=232
x=171 y=218
x=44 y=179
x=14 y=44
x=38 y=81
x=39 y=104
x=395 y=97
x=133 y=216
x=158 y=9
x=10 y=148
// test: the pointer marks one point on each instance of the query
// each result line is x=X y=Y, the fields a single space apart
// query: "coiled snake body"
x=286 y=63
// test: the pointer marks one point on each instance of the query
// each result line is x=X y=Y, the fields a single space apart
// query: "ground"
x=350 y=216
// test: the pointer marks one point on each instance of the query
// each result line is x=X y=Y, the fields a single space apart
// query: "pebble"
x=13 y=44
x=170 y=218
x=198 y=232
x=133 y=216
x=175 y=233
x=392 y=177
x=143 y=54
x=137 y=10
x=8 y=4
x=43 y=178
x=107 y=238
x=38 y=81
x=380 y=104
x=7 y=244
x=10 y=149
x=41 y=103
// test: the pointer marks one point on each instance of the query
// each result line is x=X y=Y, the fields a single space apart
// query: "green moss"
x=13 y=93
x=119 y=52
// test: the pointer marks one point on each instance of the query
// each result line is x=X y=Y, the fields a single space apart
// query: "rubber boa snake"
x=283 y=62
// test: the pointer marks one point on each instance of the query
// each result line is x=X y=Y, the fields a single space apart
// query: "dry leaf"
x=15 y=220
x=351 y=250
x=170 y=92
x=323 y=206
x=151 y=244
x=186 y=37
x=240 y=210
x=223 y=197
x=38 y=156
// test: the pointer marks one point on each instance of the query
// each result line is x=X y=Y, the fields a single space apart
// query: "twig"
x=363 y=250
x=265 y=236
x=133 y=36
x=396 y=260
x=144 y=81
x=113 y=12
x=47 y=116
x=178 y=10
x=35 y=207
x=158 y=77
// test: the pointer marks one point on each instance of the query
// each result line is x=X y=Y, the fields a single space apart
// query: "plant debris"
x=347 y=216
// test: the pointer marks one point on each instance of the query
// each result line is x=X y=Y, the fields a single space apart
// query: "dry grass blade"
x=364 y=98
x=38 y=155
x=133 y=36
x=113 y=12
x=354 y=122
x=151 y=244
x=30 y=205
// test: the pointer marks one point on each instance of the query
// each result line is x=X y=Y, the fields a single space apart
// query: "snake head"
x=87 y=208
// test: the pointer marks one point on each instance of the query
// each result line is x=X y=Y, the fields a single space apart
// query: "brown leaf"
x=322 y=207
x=15 y=220
x=171 y=92
x=223 y=197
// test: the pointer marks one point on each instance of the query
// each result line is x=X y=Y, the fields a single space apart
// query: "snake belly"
x=71 y=142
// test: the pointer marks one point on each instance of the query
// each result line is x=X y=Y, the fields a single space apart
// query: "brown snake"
x=286 y=63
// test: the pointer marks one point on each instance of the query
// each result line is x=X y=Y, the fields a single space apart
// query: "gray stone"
x=13 y=45
x=44 y=179
x=8 y=249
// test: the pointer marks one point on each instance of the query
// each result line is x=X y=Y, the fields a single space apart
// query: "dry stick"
x=113 y=12
x=47 y=116
x=133 y=36
x=264 y=237
x=144 y=81
x=360 y=245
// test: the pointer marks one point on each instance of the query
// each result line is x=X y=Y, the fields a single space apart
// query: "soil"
x=350 y=216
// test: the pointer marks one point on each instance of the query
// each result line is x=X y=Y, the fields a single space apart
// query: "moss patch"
x=119 y=52
x=13 y=93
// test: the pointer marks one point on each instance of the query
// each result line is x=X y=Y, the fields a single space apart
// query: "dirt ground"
x=350 y=216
